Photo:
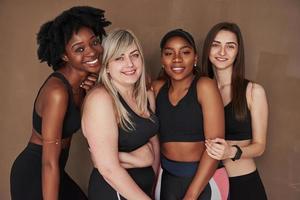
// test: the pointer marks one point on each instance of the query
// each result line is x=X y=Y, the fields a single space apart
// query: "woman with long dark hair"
x=245 y=107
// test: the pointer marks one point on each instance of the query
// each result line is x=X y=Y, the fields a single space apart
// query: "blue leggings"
x=177 y=176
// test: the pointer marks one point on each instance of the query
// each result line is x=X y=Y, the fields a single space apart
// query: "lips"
x=221 y=59
x=129 y=72
x=176 y=69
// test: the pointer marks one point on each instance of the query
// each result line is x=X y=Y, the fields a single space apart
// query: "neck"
x=74 y=77
x=125 y=91
x=183 y=84
x=223 y=76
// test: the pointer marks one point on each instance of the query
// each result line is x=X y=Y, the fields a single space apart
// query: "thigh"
x=172 y=187
x=69 y=189
x=25 y=177
x=247 y=187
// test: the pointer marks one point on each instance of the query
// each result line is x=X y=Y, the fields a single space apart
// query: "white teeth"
x=92 y=62
x=129 y=72
x=177 y=69
x=221 y=59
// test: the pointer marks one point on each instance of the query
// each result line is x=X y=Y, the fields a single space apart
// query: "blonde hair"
x=115 y=44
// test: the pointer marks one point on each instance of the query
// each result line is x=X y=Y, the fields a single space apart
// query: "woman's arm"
x=99 y=126
x=257 y=103
x=213 y=120
x=54 y=106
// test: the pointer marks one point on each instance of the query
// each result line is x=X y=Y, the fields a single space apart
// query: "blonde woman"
x=118 y=119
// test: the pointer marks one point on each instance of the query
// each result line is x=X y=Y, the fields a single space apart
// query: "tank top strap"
x=64 y=80
x=59 y=76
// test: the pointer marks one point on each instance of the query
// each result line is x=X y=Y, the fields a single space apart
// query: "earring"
x=195 y=65
x=162 y=66
x=65 y=58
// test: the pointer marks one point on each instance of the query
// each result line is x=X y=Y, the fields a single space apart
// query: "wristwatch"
x=238 y=153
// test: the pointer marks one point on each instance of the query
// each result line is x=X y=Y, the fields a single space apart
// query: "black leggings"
x=100 y=189
x=26 y=179
x=247 y=187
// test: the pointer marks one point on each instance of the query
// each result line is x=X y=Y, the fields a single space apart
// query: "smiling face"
x=224 y=49
x=84 y=52
x=125 y=69
x=178 y=58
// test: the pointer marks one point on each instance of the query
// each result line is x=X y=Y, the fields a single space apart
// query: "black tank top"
x=144 y=129
x=72 y=120
x=183 y=122
x=234 y=129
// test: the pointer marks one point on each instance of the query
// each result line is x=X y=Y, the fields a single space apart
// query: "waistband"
x=251 y=175
x=177 y=168
x=181 y=169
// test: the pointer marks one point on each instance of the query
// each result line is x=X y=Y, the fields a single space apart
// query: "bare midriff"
x=183 y=151
x=36 y=138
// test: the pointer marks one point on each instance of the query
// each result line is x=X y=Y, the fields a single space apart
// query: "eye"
x=135 y=55
x=121 y=58
x=79 y=49
x=186 y=52
x=214 y=45
x=167 y=53
x=96 y=41
x=231 y=46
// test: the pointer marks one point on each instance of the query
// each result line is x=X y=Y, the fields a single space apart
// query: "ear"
x=195 y=60
x=65 y=58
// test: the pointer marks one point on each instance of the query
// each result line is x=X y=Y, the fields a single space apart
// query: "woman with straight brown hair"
x=246 y=111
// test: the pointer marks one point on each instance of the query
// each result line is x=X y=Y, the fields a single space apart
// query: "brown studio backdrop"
x=271 y=34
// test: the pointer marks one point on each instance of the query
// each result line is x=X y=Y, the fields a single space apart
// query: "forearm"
x=253 y=150
x=205 y=171
x=50 y=182
x=120 y=180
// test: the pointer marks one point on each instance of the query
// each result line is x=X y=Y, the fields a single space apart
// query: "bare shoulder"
x=55 y=91
x=255 y=92
x=98 y=95
x=206 y=84
x=156 y=86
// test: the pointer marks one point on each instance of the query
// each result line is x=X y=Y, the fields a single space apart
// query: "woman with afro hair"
x=71 y=45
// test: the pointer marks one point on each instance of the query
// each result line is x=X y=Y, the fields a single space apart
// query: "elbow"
x=107 y=171
x=49 y=167
x=261 y=150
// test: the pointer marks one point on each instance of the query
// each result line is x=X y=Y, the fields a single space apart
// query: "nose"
x=177 y=58
x=222 y=51
x=91 y=51
x=129 y=61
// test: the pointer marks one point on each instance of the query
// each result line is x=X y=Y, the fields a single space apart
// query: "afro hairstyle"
x=55 y=34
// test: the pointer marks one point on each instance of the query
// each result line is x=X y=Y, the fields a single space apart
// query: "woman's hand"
x=219 y=149
x=89 y=82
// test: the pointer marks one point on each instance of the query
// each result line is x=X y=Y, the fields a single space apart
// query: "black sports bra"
x=183 y=122
x=144 y=129
x=72 y=120
x=234 y=129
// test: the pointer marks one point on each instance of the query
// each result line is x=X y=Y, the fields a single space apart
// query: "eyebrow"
x=78 y=43
x=226 y=42
x=136 y=50
x=169 y=48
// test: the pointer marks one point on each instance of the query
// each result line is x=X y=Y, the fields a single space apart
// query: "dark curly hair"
x=55 y=34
